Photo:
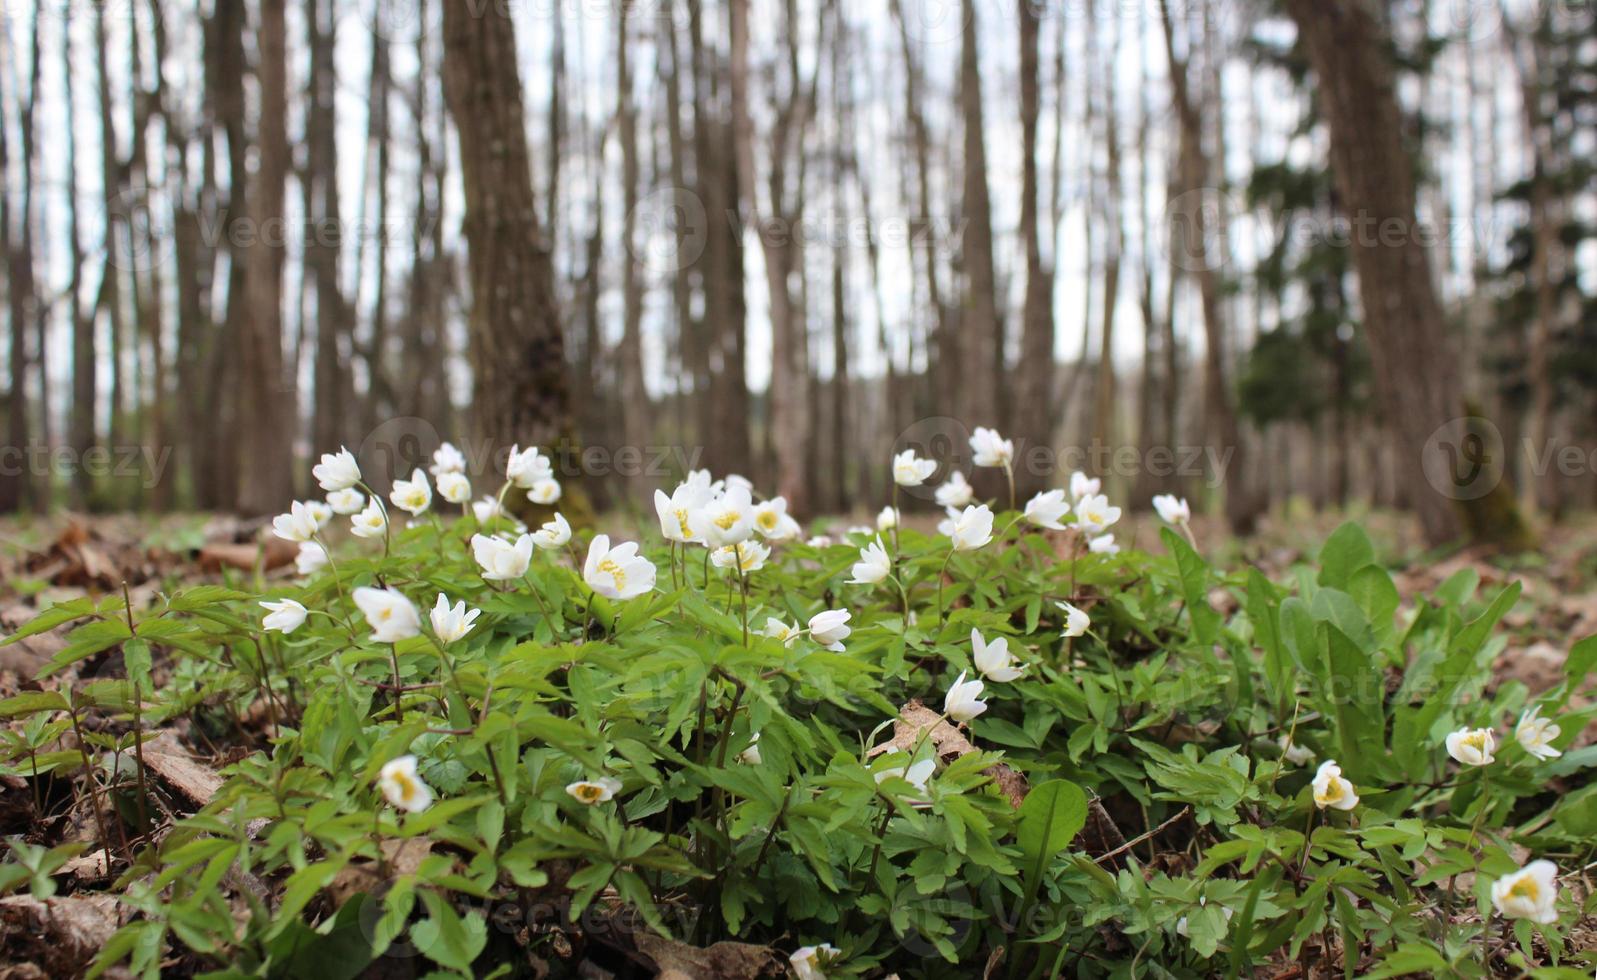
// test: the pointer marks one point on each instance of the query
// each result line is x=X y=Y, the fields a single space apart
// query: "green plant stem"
x=1480 y=811
x=388 y=522
x=1009 y=474
x=92 y=777
x=942 y=572
x=138 y=711
x=399 y=693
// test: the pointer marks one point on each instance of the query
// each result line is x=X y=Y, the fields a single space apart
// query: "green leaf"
x=1050 y=817
x=445 y=937
x=49 y=619
x=1194 y=575
x=1347 y=550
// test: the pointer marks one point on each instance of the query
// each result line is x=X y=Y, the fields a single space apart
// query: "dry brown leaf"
x=915 y=718
x=404 y=856
x=89 y=868
x=722 y=961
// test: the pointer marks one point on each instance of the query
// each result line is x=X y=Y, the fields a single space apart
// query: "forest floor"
x=45 y=560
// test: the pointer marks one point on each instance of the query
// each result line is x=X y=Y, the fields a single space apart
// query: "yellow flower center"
x=1332 y=793
x=1525 y=888
x=727 y=519
x=588 y=793
x=768 y=520
x=682 y=521
x=407 y=786
x=610 y=568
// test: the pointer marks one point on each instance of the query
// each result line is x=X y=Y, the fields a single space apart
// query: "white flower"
x=1529 y=893
x=284 y=615
x=1083 y=486
x=956 y=492
x=452 y=623
x=820 y=541
x=910 y=470
x=454 y=487
x=993 y=659
x=619 y=572
x=346 y=501
x=808 y=962
x=745 y=556
x=873 y=565
x=1094 y=515
x=391 y=615
x=778 y=630
x=991 y=449
x=725 y=520
x=961 y=702
x=945 y=527
x=772 y=522
x=447 y=459
x=1076 y=622
x=916 y=775
x=487 y=509
x=403 y=788
x=1473 y=746
x=751 y=755
x=1103 y=544
x=311 y=559
x=545 y=492
x=526 y=467
x=1046 y=508
x=601 y=790
x=501 y=560
x=1294 y=753
x=369 y=523
x=337 y=471
x=737 y=481
x=676 y=510
x=887 y=519
x=1331 y=790
x=413 y=495
x=972 y=528
x=1535 y=734
x=830 y=628
x=553 y=534
x=321 y=512
x=1172 y=509
x=298 y=525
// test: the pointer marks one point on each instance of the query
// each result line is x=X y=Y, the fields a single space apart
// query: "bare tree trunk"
x=981 y=337
x=81 y=434
x=635 y=409
x=1114 y=234
x=14 y=488
x=1189 y=212
x=1034 y=398
x=724 y=415
x=110 y=298
x=1416 y=377
x=266 y=410
x=334 y=387
x=516 y=346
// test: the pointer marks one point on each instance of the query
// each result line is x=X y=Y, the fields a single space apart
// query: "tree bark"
x=334 y=399
x=1034 y=399
x=635 y=409
x=516 y=345
x=981 y=339
x=81 y=427
x=1415 y=368
x=266 y=410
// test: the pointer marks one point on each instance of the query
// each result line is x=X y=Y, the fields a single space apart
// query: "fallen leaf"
x=61 y=934
x=722 y=961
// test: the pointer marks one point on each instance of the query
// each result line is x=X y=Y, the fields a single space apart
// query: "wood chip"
x=195 y=782
x=61 y=934
x=722 y=961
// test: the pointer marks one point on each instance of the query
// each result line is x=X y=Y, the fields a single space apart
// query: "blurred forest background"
x=792 y=234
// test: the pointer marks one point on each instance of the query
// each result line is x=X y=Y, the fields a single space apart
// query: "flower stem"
x=941 y=574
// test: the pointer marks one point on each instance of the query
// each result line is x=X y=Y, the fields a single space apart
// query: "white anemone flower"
x=963 y=701
x=993 y=659
x=1529 y=893
x=591 y=792
x=991 y=449
x=771 y=520
x=501 y=560
x=1046 y=508
x=619 y=572
x=553 y=534
x=1331 y=789
x=451 y=623
x=346 y=501
x=401 y=786
x=391 y=615
x=830 y=628
x=873 y=565
x=284 y=616
x=413 y=496
x=956 y=492
x=337 y=471
x=973 y=528
x=910 y=470
x=1473 y=746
